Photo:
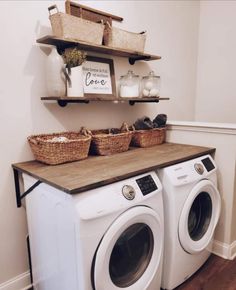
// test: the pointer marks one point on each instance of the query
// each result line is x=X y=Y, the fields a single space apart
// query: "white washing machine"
x=108 y=238
x=191 y=211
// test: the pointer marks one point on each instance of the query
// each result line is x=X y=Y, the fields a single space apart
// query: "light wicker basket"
x=148 y=138
x=49 y=151
x=118 y=38
x=106 y=143
x=72 y=27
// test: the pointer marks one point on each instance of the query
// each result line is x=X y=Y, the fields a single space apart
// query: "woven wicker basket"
x=52 y=152
x=148 y=138
x=105 y=143
x=118 y=38
x=72 y=27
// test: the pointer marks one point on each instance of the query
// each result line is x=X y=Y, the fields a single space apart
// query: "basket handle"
x=50 y=8
x=84 y=131
x=100 y=21
x=132 y=128
x=124 y=127
x=108 y=24
x=31 y=140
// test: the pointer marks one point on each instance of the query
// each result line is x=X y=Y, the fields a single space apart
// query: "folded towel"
x=160 y=121
x=143 y=123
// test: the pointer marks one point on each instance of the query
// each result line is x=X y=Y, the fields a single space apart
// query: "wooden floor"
x=215 y=274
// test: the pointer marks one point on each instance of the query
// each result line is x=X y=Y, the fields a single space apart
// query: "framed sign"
x=99 y=78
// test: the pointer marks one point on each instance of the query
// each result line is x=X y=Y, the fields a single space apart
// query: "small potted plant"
x=73 y=59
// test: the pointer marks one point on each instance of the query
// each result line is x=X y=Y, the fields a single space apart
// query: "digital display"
x=146 y=184
x=208 y=164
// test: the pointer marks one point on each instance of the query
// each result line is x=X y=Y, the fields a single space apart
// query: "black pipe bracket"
x=20 y=196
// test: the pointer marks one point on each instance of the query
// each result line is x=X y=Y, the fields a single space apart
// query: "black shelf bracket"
x=132 y=102
x=20 y=196
x=63 y=103
x=132 y=60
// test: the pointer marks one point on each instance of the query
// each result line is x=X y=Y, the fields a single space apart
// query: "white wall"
x=216 y=86
x=172 y=32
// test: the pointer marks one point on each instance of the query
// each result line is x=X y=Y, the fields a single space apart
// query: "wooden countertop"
x=95 y=171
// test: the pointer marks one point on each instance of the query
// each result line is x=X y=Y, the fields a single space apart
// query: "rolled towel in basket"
x=160 y=121
x=143 y=123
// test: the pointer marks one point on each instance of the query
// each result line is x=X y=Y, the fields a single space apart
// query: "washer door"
x=199 y=217
x=130 y=252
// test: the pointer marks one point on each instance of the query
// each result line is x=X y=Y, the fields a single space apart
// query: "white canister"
x=55 y=78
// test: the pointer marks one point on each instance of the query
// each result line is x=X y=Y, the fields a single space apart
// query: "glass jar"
x=129 y=85
x=150 y=85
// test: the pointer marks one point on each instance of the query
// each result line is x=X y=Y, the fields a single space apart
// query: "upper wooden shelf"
x=63 y=101
x=62 y=43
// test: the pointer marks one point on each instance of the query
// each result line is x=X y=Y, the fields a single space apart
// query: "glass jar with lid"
x=129 y=85
x=150 y=85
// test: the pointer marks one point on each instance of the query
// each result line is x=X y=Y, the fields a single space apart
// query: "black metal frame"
x=20 y=196
x=132 y=60
x=132 y=103
x=29 y=260
x=63 y=103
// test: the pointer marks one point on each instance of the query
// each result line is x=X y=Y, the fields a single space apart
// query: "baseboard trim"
x=226 y=251
x=233 y=250
x=20 y=282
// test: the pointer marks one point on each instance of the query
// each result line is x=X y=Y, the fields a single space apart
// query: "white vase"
x=75 y=85
x=54 y=74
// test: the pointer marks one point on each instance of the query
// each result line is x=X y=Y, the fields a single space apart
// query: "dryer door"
x=130 y=252
x=199 y=217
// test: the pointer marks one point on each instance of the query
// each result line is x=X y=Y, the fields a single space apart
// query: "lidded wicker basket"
x=104 y=142
x=148 y=138
x=57 y=148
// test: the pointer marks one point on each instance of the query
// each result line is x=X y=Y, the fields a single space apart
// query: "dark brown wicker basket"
x=105 y=143
x=48 y=151
x=148 y=138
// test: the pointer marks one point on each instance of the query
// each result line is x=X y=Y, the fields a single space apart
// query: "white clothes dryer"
x=191 y=211
x=108 y=238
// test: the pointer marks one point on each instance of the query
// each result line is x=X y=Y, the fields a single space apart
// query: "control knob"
x=199 y=168
x=128 y=192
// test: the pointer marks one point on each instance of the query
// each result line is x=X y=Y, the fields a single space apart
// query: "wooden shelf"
x=61 y=44
x=63 y=101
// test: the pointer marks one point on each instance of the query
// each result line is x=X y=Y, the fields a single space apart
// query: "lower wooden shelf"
x=63 y=101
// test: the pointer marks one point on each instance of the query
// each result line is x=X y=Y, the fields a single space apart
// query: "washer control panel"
x=128 y=192
x=146 y=184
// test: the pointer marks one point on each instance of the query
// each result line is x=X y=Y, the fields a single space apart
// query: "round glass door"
x=130 y=252
x=199 y=217
x=131 y=255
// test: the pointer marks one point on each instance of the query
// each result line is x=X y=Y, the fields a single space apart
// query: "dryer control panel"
x=146 y=184
x=189 y=171
x=208 y=164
